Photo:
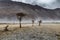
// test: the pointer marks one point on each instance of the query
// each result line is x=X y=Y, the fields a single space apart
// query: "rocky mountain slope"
x=9 y=9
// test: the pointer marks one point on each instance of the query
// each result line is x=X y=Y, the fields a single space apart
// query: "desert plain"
x=29 y=32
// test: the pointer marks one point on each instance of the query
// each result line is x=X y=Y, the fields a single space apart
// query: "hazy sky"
x=51 y=4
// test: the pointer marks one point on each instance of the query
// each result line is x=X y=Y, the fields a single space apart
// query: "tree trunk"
x=32 y=22
x=39 y=23
x=20 y=22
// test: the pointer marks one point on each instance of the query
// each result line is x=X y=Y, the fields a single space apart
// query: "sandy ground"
x=29 y=32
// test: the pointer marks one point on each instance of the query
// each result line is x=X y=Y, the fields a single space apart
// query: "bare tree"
x=6 y=28
x=40 y=22
x=19 y=16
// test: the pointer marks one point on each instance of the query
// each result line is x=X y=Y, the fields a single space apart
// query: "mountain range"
x=9 y=9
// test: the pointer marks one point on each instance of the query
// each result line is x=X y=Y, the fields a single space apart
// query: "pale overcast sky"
x=51 y=4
